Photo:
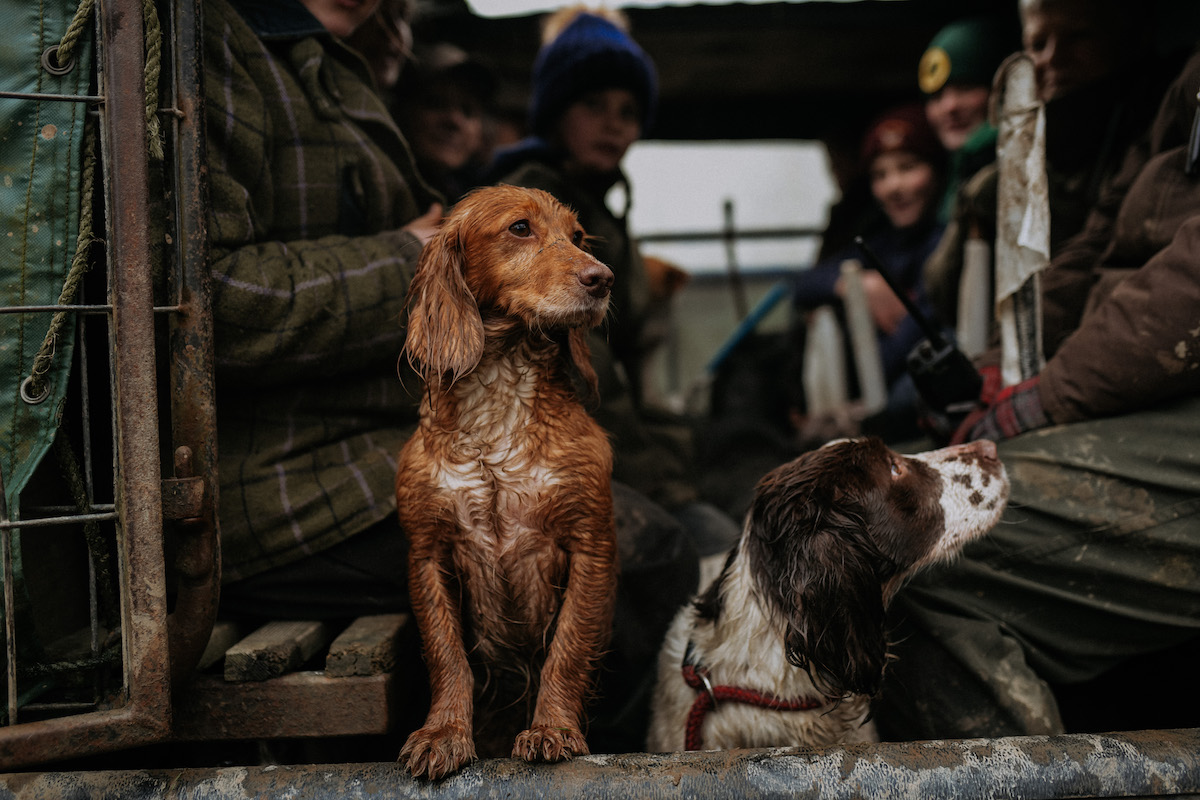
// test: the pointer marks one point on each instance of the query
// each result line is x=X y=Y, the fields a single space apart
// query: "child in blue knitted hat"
x=592 y=95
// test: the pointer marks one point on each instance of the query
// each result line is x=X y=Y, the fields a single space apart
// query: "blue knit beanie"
x=589 y=54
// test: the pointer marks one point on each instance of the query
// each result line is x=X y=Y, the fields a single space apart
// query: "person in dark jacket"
x=1100 y=80
x=904 y=163
x=1095 y=560
x=594 y=92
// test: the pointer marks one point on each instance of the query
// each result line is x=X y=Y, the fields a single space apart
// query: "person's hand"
x=887 y=311
x=1016 y=409
x=426 y=225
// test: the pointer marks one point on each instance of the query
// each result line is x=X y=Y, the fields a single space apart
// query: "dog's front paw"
x=435 y=752
x=545 y=743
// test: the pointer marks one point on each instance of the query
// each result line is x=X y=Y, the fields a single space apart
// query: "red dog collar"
x=707 y=696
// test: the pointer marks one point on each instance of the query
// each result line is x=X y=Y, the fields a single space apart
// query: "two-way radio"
x=945 y=377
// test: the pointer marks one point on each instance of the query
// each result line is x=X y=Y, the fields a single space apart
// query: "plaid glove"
x=1014 y=410
x=993 y=384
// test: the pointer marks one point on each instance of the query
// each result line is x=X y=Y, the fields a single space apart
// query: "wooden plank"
x=274 y=649
x=370 y=646
x=299 y=704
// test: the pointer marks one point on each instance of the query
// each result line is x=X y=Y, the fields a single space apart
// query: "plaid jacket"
x=310 y=181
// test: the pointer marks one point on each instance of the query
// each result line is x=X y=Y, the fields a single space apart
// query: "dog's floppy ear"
x=445 y=329
x=819 y=570
x=581 y=357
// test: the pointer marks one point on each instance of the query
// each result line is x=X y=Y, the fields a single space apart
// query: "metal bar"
x=722 y=235
x=47 y=522
x=83 y=309
x=1146 y=764
x=60 y=707
x=10 y=639
x=10 y=620
x=736 y=284
x=193 y=394
x=139 y=476
x=96 y=508
x=89 y=481
x=67 y=98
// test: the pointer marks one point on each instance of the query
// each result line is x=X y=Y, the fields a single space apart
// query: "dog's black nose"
x=597 y=279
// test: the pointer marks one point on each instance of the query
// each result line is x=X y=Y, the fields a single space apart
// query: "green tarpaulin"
x=40 y=164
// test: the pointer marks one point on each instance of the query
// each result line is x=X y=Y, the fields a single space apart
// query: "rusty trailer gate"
x=137 y=518
x=142 y=386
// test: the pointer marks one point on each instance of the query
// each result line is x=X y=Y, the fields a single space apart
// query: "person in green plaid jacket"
x=317 y=219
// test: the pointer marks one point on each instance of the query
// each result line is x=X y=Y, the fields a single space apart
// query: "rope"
x=152 y=69
x=707 y=696
x=106 y=585
x=37 y=388
x=83 y=14
x=79 y=267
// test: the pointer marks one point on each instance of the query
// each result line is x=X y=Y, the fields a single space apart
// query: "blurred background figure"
x=593 y=94
x=1073 y=43
x=1100 y=76
x=386 y=40
x=905 y=165
x=442 y=104
x=955 y=73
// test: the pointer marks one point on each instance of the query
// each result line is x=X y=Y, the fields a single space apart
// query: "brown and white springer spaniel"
x=788 y=644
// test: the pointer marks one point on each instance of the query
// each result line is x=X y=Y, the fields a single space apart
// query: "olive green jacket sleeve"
x=310 y=185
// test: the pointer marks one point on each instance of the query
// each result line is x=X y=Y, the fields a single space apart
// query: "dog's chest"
x=499 y=461
x=499 y=470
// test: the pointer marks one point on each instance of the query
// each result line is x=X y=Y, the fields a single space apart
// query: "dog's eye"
x=520 y=228
x=577 y=239
x=898 y=468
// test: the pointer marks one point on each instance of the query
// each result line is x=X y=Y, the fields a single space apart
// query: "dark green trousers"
x=1096 y=560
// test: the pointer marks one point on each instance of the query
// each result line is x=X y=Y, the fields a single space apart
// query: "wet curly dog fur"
x=504 y=491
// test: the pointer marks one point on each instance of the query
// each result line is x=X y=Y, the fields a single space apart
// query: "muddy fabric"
x=1079 y=161
x=1096 y=560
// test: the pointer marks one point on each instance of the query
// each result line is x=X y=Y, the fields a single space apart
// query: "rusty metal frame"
x=1146 y=764
x=193 y=396
x=155 y=647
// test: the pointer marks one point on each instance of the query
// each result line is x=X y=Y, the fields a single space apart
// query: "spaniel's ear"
x=820 y=570
x=581 y=358
x=445 y=329
x=838 y=636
